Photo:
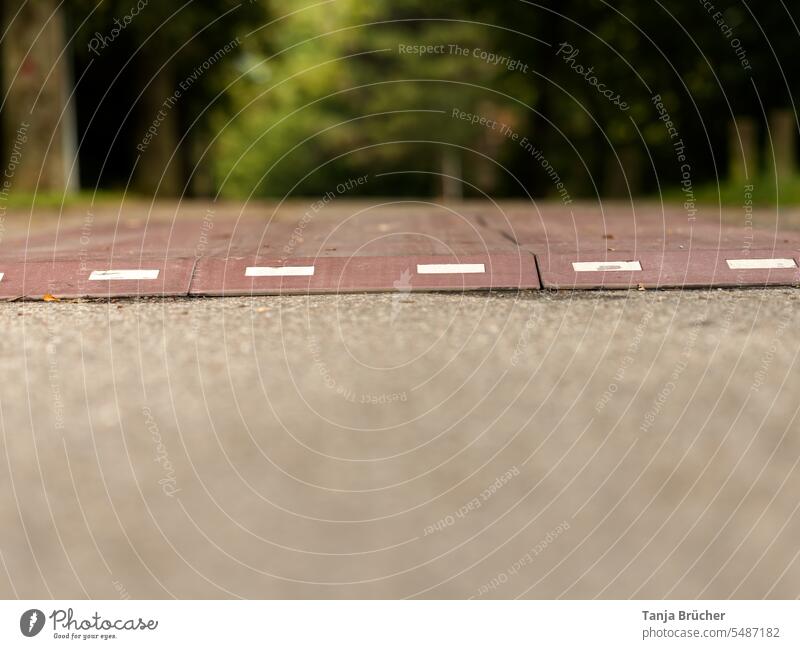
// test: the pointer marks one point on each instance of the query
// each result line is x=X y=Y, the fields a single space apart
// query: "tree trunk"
x=38 y=123
x=158 y=129
x=452 y=187
x=624 y=178
x=780 y=145
x=742 y=150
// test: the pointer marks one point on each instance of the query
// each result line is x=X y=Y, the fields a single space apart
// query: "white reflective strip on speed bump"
x=279 y=271
x=132 y=274
x=2 y=275
x=448 y=269
x=754 y=264
x=604 y=266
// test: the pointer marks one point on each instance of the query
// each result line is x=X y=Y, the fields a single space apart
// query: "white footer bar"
x=356 y=624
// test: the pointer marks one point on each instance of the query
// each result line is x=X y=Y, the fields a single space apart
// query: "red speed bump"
x=689 y=268
x=259 y=276
x=124 y=277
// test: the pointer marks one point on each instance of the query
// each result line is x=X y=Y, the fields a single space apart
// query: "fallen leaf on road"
x=50 y=298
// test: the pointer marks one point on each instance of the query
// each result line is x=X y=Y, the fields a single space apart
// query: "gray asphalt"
x=597 y=444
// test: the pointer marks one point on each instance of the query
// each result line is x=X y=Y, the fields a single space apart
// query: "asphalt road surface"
x=534 y=444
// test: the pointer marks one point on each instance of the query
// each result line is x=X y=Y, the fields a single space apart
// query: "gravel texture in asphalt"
x=534 y=444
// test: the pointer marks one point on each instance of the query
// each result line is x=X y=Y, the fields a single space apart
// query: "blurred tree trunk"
x=38 y=124
x=742 y=150
x=452 y=187
x=202 y=180
x=624 y=178
x=780 y=145
x=490 y=143
x=158 y=126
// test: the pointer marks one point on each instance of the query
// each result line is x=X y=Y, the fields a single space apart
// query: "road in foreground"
x=536 y=444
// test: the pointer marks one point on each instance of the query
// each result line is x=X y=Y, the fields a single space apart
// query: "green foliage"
x=339 y=97
x=319 y=92
x=766 y=192
x=132 y=55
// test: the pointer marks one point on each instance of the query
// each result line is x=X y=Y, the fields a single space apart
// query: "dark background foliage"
x=311 y=93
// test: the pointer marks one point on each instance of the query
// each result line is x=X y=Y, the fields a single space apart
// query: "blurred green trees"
x=347 y=90
x=584 y=97
x=353 y=87
x=141 y=65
